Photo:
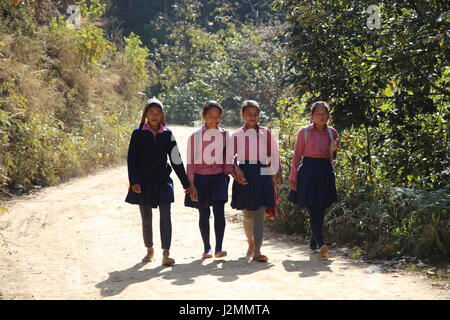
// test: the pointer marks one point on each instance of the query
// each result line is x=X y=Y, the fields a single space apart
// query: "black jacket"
x=147 y=158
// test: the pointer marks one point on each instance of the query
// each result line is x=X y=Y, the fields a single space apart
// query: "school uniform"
x=254 y=150
x=148 y=167
x=256 y=153
x=206 y=170
x=313 y=173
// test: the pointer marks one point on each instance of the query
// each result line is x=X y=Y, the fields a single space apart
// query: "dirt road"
x=80 y=240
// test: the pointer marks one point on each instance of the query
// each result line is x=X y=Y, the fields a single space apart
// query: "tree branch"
x=441 y=90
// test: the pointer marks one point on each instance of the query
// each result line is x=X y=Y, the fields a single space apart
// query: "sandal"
x=166 y=261
x=220 y=254
x=323 y=251
x=148 y=257
x=261 y=258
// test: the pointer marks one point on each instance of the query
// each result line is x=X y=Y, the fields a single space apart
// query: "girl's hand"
x=187 y=190
x=136 y=188
x=293 y=185
x=334 y=146
x=193 y=193
x=239 y=176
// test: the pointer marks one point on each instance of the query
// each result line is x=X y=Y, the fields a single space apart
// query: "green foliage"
x=373 y=212
x=58 y=119
x=92 y=9
x=233 y=63
x=389 y=84
x=16 y=19
x=137 y=57
x=91 y=45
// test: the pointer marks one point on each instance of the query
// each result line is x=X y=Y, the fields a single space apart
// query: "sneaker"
x=323 y=252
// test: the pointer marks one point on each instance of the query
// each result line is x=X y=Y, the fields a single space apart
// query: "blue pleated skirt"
x=316 y=184
x=152 y=195
x=257 y=193
x=212 y=189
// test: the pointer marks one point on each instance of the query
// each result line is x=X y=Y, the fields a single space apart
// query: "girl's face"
x=154 y=116
x=251 y=116
x=212 y=118
x=320 y=116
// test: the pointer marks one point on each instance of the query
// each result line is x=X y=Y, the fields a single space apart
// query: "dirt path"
x=80 y=240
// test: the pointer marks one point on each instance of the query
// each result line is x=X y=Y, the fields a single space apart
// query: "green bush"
x=379 y=213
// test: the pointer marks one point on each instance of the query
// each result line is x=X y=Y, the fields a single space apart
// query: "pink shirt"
x=206 y=152
x=317 y=146
x=254 y=145
x=161 y=129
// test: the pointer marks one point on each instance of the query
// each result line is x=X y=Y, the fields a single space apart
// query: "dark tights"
x=219 y=226
x=316 y=215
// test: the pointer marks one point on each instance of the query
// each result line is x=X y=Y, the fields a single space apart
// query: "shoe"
x=261 y=258
x=166 y=261
x=220 y=254
x=323 y=252
x=314 y=251
x=207 y=255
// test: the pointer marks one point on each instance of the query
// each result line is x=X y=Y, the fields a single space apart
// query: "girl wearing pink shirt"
x=256 y=151
x=312 y=179
x=208 y=182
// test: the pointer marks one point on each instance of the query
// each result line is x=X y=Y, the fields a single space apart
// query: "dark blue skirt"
x=257 y=193
x=212 y=189
x=152 y=195
x=316 y=184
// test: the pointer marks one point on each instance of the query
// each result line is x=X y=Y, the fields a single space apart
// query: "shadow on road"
x=181 y=274
x=309 y=268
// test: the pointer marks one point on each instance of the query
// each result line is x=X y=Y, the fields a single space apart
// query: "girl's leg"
x=312 y=243
x=204 y=228
x=316 y=220
x=165 y=226
x=258 y=231
x=248 y=228
x=219 y=225
x=147 y=232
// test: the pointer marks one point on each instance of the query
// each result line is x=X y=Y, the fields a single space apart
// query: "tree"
x=390 y=82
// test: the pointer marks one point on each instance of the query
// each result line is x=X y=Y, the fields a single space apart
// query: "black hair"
x=320 y=104
x=250 y=104
x=209 y=105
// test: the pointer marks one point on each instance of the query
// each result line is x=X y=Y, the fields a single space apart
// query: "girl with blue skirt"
x=206 y=174
x=256 y=151
x=149 y=175
x=312 y=179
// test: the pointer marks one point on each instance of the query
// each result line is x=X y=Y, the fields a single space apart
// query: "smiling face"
x=212 y=118
x=320 y=116
x=251 y=116
x=154 y=116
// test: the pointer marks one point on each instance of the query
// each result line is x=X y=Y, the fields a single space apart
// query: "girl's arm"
x=275 y=160
x=177 y=162
x=190 y=159
x=334 y=145
x=297 y=157
x=133 y=159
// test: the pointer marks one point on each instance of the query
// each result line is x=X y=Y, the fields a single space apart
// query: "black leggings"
x=219 y=226
x=165 y=225
x=316 y=215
